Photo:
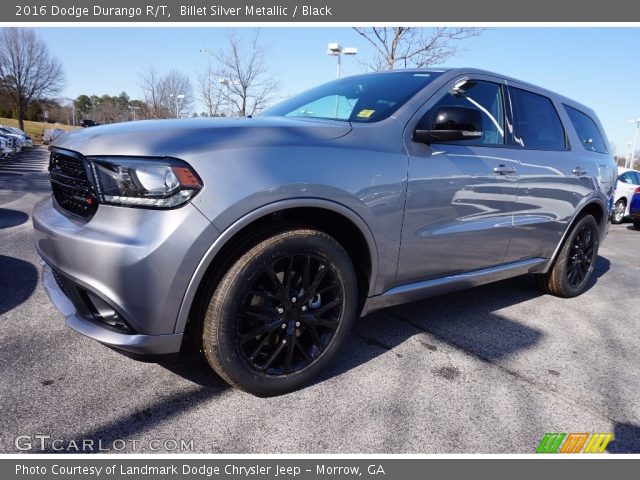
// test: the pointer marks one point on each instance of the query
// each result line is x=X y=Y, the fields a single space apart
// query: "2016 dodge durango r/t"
x=264 y=238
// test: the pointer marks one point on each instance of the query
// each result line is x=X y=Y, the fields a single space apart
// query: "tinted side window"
x=626 y=178
x=635 y=178
x=485 y=97
x=538 y=125
x=587 y=130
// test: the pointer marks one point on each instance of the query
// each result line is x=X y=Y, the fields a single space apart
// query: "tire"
x=636 y=223
x=262 y=332
x=618 y=212
x=572 y=270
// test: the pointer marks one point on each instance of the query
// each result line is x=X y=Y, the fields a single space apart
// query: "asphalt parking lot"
x=487 y=370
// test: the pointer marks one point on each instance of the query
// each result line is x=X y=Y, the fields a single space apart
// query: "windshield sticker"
x=365 y=113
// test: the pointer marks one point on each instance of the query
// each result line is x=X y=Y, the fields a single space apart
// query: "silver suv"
x=264 y=238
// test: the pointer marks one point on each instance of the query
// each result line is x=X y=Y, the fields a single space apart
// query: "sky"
x=596 y=66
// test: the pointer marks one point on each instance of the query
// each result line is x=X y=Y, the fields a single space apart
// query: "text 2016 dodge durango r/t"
x=264 y=238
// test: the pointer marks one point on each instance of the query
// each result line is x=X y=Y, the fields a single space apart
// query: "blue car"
x=634 y=208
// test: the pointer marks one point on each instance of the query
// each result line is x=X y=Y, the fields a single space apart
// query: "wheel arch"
x=345 y=225
x=595 y=207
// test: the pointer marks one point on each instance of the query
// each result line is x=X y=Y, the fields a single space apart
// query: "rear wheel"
x=618 y=211
x=281 y=312
x=636 y=223
x=574 y=266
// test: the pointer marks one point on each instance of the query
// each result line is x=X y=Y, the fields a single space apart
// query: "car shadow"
x=134 y=424
x=17 y=282
x=626 y=439
x=12 y=218
x=466 y=320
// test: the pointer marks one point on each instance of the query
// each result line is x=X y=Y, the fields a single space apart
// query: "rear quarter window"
x=590 y=136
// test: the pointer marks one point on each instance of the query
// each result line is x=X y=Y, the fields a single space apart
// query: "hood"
x=179 y=137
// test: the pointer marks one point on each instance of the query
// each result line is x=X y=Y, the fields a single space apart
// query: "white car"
x=28 y=142
x=628 y=181
x=5 y=148
x=19 y=139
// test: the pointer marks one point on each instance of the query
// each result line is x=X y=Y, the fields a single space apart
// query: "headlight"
x=144 y=182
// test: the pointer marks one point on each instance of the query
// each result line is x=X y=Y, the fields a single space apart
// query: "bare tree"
x=247 y=84
x=168 y=95
x=27 y=71
x=177 y=93
x=211 y=91
x=151 y=86
x=414 y=47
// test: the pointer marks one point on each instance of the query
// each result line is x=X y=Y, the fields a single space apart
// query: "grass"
x=34 y=129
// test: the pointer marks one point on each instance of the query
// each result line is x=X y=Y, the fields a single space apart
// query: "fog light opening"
x=105 y=314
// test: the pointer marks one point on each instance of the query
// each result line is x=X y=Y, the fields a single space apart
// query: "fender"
x=254 y=215
x=589 y=200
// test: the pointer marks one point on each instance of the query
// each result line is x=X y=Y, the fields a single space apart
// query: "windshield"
x=363 y=98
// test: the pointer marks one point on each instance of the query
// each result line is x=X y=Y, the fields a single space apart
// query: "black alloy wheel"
x=289 y=314
x=582 y=256
x=281 y=311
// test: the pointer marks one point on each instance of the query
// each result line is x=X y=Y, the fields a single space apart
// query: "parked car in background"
x=19 y=139
x=263 y=239
x=50 y=134
x=88 y=123
x=634 y=208
x=28 y=141
x=11 y=142
x=5 y=148
x=628 y=181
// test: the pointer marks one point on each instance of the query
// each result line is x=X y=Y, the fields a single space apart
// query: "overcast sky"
x=595 y=66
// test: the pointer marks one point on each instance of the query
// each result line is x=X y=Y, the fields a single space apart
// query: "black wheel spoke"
x=273 y=356
x=273 y=277
x=286 y=279
x=260 y=346
x=263 y=317
x=315 y=338
x=309 y=294
x=302 y=351
x=306 y=273
x=261 y=330
x=289 y=356
x=318 y=312
x=263 y=293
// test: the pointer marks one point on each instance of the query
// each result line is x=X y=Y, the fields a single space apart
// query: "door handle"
x=504 y=170
x=579 y=171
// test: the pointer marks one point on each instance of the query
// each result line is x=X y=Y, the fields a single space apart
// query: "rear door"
x=554 y=177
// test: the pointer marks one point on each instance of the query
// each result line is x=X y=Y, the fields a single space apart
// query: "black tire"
x=636 y=223
x=570 y=274
x=243 y=335
x=618 y=212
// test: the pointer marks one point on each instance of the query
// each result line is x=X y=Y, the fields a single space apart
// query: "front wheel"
x=281 y=312
x=573 y=268
x=618 y=212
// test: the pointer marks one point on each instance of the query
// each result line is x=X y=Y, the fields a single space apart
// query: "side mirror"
x=452 y=123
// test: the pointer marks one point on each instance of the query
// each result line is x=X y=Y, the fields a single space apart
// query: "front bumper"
x=135 y=263
x=133 y=343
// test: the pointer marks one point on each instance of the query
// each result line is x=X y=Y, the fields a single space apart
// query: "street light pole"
x=178 y=97
x=635 y=142
x=336 y=50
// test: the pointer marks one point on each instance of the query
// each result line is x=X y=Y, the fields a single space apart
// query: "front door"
x=460 y=195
